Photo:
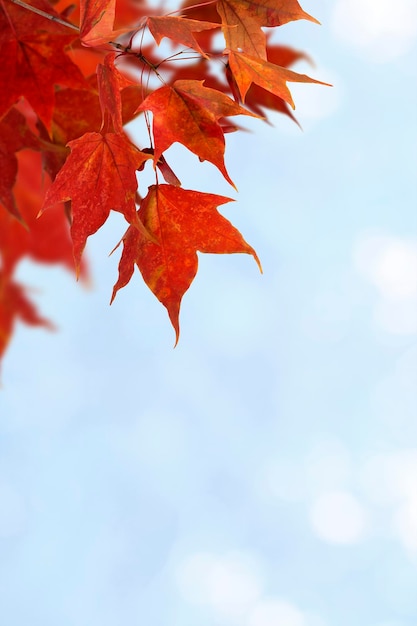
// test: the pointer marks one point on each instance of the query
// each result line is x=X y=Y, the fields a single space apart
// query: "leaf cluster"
x=72 y=77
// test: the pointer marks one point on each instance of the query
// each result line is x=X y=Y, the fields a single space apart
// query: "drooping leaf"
x=179 y=29
x=110 y=83
x=258 y=99
x=188 y=113
x=182 y=222
x=33 y=58
x=98 y=176
x=97 y=21
x=248 y=70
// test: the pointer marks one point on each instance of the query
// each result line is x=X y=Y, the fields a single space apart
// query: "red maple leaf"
x=66 y=160
x=98 y=176
x=188 y=113
x=182 y=222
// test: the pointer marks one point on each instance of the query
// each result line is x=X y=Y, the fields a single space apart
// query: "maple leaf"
x=33 y=58
x=110 y=84
x=179 y=29
x=257 y=98
x=204 y=12
x=182 y=222
x=98 y=176
x=271 y=12
x=57 y=125
x=240 y=31
x=14 y=305
x=247 y=70
x=97 y=21
x=242 y=21
x=188 y=113
x=66 y=126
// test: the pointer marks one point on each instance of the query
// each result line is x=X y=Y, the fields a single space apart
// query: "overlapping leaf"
x=97 y=172
x=182 y=222
x=258 y=99
x=33 y=58
x=110 y=84
x=240 y=31
x=66 y=126
x=98 y=176
x=188 y=113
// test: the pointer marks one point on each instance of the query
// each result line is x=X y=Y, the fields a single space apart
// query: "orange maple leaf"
x=179 y=29
x=243 y=20
x=97 y=21
x=240 y=31
x=247 y=70
x=182 y=223
x=188 y=113
x=257 y=98
x=98 y=176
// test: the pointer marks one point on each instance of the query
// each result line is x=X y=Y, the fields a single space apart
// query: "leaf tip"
x=258 y=262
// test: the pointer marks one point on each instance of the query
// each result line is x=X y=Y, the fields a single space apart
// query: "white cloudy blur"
x=390 y=265
x=263 y=473
x=378 y=29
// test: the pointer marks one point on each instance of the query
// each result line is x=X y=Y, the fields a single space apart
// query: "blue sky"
x=263 y=473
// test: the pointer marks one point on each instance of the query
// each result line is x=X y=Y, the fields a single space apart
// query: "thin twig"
x=53 y=18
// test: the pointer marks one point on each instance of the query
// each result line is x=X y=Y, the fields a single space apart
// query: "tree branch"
x=53 y=18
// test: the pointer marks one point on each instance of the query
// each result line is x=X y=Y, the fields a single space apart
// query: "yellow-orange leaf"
x=182 y=222
x=243 y=21
x=240 y=31
x=272 y=12
x=247 y=70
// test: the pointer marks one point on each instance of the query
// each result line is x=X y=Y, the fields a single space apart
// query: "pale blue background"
x=264 y=472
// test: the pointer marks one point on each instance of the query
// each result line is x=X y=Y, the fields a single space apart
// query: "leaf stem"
x=53 y=18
